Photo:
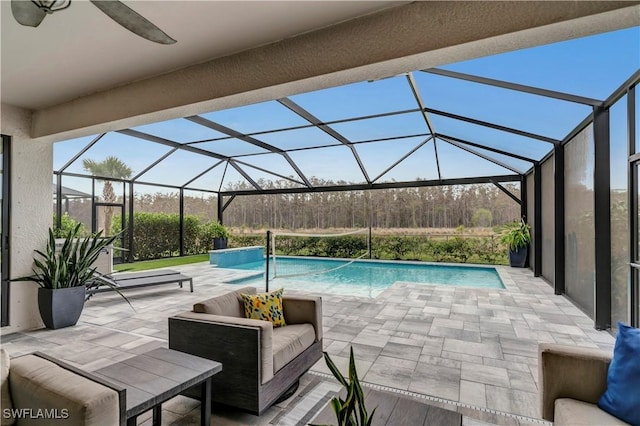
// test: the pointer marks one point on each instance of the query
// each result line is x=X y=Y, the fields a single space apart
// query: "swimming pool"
x=365 y=277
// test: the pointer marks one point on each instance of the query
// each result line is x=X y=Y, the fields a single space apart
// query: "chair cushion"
x=265 y=307
x=39 y=384
x=5 y=400
x=289 y=342
x=622 y=397
x=573 y=412
x=228 y=305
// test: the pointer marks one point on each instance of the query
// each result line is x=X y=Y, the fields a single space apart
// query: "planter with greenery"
x=350 y=411
x=63 y=276
x=517 y=236
x=219 y=234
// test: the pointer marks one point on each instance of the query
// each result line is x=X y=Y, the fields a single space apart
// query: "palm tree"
x=110 y=167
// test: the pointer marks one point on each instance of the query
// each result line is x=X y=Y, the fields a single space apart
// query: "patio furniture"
x=37 y=387
x=572 y=379
x=261 y=363
x=395 y=409
x=159 y=375
x=129 y=280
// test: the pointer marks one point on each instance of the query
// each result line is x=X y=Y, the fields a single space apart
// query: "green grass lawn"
x=160 y=263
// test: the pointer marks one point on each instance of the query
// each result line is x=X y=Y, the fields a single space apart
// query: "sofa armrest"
x=570 y=372
x=300 y=309
x=38 y=381
x=229 y=340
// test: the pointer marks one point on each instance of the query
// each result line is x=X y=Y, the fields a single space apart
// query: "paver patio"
x=470 y=349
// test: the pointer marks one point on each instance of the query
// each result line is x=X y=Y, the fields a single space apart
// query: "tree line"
x=425 y=207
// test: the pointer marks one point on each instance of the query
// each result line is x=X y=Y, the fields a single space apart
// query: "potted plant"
x=350 y=411
x=517 y=236
x=64 y=274
x=220 y=235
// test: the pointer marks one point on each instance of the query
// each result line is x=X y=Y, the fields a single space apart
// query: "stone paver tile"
x=396 y=350
x=564 y=329
x=485 y=374
x=489 y=349
x=397 y=362
x=473 y=393
x=522 y=380
x=462 y=357
x=386 y=375
x=448 y=323
x=432 y=346
x=371 y=339
x=519 y=346
x=436 y=360
x=509 y=365
x=335 y=347
x=440 y=381
x=364 y=352
x=512 y=401
x=436 y=311
x=469 y=336
x=409 y=340
x=342 y=362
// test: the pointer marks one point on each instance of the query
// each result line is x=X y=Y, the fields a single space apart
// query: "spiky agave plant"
x=350 y=411
x=72 y=265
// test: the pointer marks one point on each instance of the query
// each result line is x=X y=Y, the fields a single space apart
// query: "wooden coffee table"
x=159 y=375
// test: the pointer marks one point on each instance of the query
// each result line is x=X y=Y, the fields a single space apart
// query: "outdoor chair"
x=261 y=363
x=39 y=390
x=572 y=379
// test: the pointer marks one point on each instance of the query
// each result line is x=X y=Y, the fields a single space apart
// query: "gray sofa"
x=572 y=379
x=259 y=362
x=44 y=391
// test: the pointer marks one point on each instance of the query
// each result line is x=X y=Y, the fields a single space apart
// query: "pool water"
x=364 y=278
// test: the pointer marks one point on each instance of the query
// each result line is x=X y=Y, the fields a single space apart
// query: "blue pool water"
x=364 y=278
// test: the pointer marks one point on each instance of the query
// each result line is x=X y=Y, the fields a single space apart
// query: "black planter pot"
x=219 y=243
x=61 y=307
x=518 y=258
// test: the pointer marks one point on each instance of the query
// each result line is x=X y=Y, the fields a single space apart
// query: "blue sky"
x=592 y=66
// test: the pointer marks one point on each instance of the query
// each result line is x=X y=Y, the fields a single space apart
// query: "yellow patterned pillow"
x=265 y=306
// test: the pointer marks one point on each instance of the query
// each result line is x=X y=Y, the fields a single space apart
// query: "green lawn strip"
x=160 y=263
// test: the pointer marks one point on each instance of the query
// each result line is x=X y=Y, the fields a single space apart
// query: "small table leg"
x=132 y=421
x=157 y=415
x=205 y=403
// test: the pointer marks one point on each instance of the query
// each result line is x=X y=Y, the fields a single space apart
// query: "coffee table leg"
x=205 y=403
x=132 y=421
x=157 y=415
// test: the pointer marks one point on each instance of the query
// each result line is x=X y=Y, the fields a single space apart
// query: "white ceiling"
x=86 y=52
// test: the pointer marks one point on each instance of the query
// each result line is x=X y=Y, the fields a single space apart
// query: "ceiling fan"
x=31 y=14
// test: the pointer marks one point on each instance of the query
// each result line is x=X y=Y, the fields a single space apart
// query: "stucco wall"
x=31 y=213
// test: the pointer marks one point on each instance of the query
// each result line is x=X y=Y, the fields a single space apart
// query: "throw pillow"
x=622 y=399
x=265 y=306
x=4 y=387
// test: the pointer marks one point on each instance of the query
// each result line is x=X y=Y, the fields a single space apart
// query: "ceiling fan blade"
x=27 y=13
x=133 y=21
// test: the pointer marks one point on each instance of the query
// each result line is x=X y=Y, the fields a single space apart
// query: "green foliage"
x=67 y=224
x=456 y=248
x=111 y=167
x=516 y=235
x=350 y=411
x=71 y=266
x=216 y=230
x=157 y=235
x=482 y=217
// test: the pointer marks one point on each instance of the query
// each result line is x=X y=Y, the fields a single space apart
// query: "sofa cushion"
x=289 y=342
x=622 y=397
x=39 y=384
x=573 y=412
x=5 y=400
x=229 y=304
x=265 y=307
